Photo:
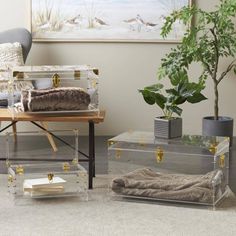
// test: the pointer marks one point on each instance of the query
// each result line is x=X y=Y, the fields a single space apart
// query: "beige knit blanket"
x=147 y=183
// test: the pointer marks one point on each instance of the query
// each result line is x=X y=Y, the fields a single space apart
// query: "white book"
x=43 y=183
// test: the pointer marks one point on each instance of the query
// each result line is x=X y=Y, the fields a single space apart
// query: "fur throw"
x=147 y=183
x=58 y=99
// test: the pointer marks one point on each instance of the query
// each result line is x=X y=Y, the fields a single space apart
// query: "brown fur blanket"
x=58 y=99
x=147 y=183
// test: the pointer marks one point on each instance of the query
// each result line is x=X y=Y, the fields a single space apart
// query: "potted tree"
x=211 y=38
x=169 y=100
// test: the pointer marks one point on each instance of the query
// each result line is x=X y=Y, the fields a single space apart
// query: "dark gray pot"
x=167 y=128
x=221 y=127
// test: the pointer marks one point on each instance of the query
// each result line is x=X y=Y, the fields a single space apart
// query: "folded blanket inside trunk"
x=57 y=99
x=147 y=183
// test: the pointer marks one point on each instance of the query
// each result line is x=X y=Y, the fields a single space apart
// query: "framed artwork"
x=104 y=20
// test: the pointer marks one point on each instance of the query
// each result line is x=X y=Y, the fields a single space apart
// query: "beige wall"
x=124 y=68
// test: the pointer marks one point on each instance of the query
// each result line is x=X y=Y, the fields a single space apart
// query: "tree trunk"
x=216 y=105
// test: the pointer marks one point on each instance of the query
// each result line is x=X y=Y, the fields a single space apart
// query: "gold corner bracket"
x=159 y=155
x=222 y=161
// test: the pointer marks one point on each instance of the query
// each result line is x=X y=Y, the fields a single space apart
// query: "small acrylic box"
x=39 y=168
x=54 y=89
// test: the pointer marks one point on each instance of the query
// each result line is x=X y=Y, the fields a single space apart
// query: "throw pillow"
x=11 y=55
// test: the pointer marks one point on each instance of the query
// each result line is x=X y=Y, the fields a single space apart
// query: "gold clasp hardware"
x=50 y=177
x=10 y=85
x=8 y=163
x=142 y=142
x=20 y=170
x=66 y=166
x=77 y=75
x=10 y=178
x=56 y=80
x=96 y=71
x=213 y=148
x=93 y=83
x=75 y=161
x=110 y=142
x=118 y=153
x=222 y=161
x=159 y=155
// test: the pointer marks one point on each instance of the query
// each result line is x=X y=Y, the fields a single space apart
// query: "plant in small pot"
x=211 y=38
x=168 y=126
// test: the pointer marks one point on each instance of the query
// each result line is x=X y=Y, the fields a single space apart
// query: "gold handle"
x=20 y=170
x=159 y=155
x=66 y=166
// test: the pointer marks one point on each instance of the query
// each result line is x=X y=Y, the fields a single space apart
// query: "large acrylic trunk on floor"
x=190 y=169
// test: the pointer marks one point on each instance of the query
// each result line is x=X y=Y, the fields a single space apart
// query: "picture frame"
x=103 y=21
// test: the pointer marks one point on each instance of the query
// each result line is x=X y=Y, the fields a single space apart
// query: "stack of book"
x=42 y=186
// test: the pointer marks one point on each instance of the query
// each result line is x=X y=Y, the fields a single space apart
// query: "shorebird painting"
x=140 y=22
x=127 y=20
x=73 y=22
x=135 y=23
x=150 y=26
x=132 y=23
x=45 y=26
x=100 y=22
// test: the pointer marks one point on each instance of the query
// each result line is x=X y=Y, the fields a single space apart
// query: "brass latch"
x=159 y=155
x=222 y=161
x=56 y=80
x=50 y=177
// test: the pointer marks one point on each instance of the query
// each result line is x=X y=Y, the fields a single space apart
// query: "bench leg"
x=49 y=136
x=91 y=154
x=14 y=132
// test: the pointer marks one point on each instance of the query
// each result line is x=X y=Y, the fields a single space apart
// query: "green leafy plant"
x=211 y=38
x=170 y=99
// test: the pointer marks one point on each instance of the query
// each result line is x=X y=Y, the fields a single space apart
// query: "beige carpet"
x=101 y=216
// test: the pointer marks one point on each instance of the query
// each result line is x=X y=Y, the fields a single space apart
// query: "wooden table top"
x=96 y=117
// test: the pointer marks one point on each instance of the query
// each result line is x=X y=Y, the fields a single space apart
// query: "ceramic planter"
x=168 y=129
x=221 y=127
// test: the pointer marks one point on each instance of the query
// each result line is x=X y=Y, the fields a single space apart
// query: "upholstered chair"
x=22 y=36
